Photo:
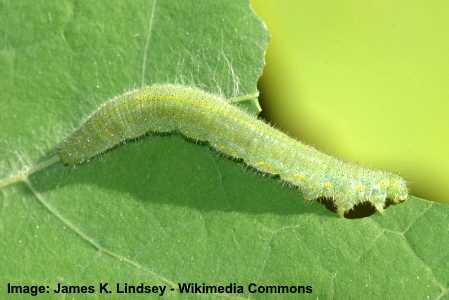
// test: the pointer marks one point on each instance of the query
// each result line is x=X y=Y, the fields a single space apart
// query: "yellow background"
x=366 y=81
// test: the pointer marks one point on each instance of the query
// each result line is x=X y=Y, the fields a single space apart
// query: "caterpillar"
x=205 y=117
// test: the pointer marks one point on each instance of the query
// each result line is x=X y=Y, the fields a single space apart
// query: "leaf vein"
x=147 y=41
x=90 y=240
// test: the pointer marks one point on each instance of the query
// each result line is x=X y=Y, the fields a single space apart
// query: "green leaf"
x=162 y=210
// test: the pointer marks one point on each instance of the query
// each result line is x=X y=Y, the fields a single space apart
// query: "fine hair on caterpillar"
x=205 y=117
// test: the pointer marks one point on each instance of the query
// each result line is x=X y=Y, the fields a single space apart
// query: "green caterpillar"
x=202 y=116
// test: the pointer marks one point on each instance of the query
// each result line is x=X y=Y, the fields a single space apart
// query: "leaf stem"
x=244 y=97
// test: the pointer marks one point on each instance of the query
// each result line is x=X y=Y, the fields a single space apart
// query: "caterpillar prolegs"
x=202 y=116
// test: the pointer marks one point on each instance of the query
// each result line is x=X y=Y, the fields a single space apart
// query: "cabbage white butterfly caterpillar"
x=202 y=116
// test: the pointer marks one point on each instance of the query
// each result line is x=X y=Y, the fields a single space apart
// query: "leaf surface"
x=162 y=210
